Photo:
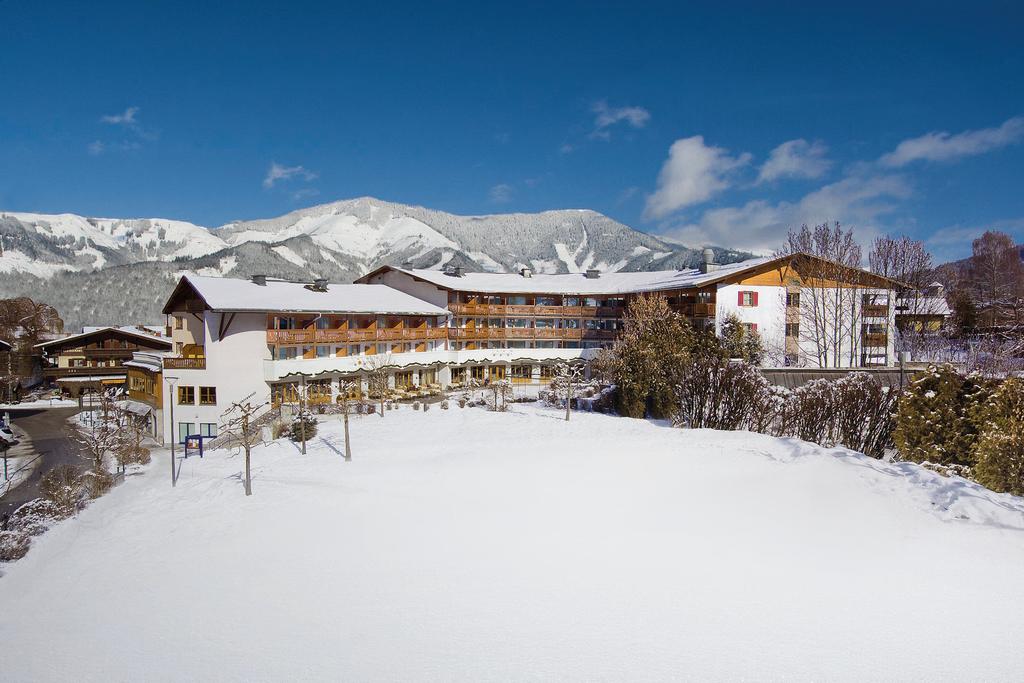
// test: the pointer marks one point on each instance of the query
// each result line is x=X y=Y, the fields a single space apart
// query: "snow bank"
x=465 y=545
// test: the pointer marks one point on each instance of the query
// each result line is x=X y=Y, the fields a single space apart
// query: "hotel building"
x=434 y=329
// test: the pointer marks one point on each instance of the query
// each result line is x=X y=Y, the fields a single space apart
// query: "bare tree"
x=501 y=393
x=100 y=434
x=129 y=449
x=908 y=262
x=567 y=377
x=829 y=311
x=348 y=395
x=238 y=421
x=995 y=277
x=377 y=378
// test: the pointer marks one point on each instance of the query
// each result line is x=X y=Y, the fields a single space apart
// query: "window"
x=208 y=396
x=403 y=379
x=570 y=301
x=547 y=372
x=323 y=323
x=546 y=301
x=458 y=375
x=477 y=372
x=747 y=299
x=517 y=301
x=353 y=349
x=544 y=323
x=282 y=323
x=590 y=301
x=570 y=324
x=792 y=298
x=323 y=351
x=287 y=352
x=185 y=429
x=186 y=396
x=208 y=429
x=179 y=322
x=792 y=329
x=750 y=327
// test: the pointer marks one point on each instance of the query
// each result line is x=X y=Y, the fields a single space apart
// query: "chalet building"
x=238 y=338
x=96 y=357
x=145 y=395
x=922 y=311
x=263 y=338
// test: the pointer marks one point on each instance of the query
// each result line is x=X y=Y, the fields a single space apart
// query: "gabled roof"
x=606 y=283
x=97 y=331
x=237 y=295
x=4 y=346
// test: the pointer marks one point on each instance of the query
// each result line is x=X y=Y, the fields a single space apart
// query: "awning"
x=105 y=379
x=136 y=407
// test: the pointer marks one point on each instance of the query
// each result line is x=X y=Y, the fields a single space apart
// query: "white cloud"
x=126 y=118
x=96 y=147
x=278 y=172
x=760 y=226
x=501 y=193
x=304 y=192
x=795 y=159
x=693 y=173
x=566 y=148
x=606 y=117
x=942 y=146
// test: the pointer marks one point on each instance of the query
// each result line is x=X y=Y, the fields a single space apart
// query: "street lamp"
x=170 y=400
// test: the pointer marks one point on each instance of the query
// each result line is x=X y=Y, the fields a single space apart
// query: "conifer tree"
x=934 y=422
x=650 y=357
x=999 y=450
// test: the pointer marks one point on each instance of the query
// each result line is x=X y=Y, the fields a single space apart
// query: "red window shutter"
x=739 y=298
x=753 y=326
x=754 y=302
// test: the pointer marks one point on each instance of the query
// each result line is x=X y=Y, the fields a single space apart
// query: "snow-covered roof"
x=147 y=360
x=579 y=283
x=89 y=331
x=154 y=330
x=232 y=294
x=93 y=378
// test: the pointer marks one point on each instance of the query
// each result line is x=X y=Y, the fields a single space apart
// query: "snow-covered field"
x=471 y=546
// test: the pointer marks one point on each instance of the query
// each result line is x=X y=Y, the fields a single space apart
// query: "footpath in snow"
x=473 y=546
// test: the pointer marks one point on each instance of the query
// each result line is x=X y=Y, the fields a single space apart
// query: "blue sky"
x=706 y=124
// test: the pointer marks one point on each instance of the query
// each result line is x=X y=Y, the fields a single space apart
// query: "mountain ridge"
x=91 y=268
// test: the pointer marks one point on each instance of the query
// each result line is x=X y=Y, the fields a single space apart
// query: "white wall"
x=234 y=365
x=769 y=315
x=412 y=286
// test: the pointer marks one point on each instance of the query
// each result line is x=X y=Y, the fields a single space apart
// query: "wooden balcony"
x=879 y=340
x=518 y=311
x=196 y=363
x=355 y=335
x=875 y=311
x=695 y=310
x=79 y=371
x=517 y=333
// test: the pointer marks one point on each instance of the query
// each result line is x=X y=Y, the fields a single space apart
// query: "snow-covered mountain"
x=108 y=270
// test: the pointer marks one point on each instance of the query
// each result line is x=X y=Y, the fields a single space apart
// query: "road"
x=51 y=437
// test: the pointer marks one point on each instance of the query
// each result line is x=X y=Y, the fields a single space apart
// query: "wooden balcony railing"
x=875 y=339
x=696 y=310
x=198 y=363
x=875 y=311
x=564 y=333
x=344 y=336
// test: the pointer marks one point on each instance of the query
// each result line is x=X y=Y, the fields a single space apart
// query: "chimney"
x=708 y=265
x=592 y=274
x=320 y=284
x=526 y=272
x=260 y=280
x=454 y=271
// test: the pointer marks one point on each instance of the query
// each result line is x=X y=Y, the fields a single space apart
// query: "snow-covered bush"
x=999 y=450
x=64 y=487
x=444 y=404
x=718 y=394
x=302 y=427
x=13 y=545
x=96 y=484
x=934 y=421
x=862 y=414
x=34 y=517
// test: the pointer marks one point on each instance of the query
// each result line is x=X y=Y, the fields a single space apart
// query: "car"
x=6 y=434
